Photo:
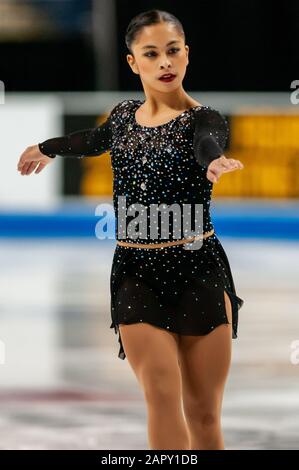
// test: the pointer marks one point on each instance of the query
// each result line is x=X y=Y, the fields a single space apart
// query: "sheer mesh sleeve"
x=82 y=143
x=210 y=135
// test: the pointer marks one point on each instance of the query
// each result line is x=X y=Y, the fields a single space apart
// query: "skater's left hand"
x=222 y=165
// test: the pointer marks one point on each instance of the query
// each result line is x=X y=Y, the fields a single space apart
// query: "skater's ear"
x=187 y=53
x=132 y=63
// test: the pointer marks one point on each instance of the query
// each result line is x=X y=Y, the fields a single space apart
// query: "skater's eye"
x=175 y=49
x=153 y=53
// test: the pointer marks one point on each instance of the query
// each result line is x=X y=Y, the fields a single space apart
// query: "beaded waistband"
x=162 y=245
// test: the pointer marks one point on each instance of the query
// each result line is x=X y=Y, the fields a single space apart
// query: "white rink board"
x=25 y=120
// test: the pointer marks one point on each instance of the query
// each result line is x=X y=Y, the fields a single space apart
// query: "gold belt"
x=161 y=245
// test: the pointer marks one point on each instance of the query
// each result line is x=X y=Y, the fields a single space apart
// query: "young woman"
x=175 y=309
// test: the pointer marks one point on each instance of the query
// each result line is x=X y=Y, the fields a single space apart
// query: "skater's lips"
x=167 y=75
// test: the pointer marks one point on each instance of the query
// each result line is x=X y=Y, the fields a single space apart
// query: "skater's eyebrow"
x=155 y=47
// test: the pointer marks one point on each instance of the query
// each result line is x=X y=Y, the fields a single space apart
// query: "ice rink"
x=62 y=384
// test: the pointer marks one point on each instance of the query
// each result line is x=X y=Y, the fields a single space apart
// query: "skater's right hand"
x=32 y=159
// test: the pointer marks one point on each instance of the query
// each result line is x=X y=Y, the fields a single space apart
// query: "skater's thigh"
x=150 y=350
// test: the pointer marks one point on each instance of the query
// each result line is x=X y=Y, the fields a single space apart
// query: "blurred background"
x=63 y=67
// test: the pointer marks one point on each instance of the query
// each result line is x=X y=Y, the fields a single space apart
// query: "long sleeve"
x=210 y=135
x=82 y=143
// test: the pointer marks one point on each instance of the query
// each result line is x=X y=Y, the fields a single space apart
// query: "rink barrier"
x=233 y=220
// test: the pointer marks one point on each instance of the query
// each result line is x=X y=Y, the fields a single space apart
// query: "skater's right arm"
x=78 y=144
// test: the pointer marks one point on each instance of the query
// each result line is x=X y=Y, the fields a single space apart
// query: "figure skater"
x=175 y=309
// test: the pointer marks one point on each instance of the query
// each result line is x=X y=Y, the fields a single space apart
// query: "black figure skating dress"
x=173 y=288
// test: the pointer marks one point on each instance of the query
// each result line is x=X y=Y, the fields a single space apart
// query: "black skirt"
x=173 y=288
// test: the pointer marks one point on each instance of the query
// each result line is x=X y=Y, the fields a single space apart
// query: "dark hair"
x=148 y=18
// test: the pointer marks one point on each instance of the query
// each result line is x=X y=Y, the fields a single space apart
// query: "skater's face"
x=159 y=49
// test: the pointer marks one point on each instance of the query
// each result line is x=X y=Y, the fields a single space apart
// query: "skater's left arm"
x=210 y=137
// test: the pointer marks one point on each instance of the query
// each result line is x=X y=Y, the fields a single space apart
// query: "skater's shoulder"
x=123 y=106
x=208 y=115
x=122 y=111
